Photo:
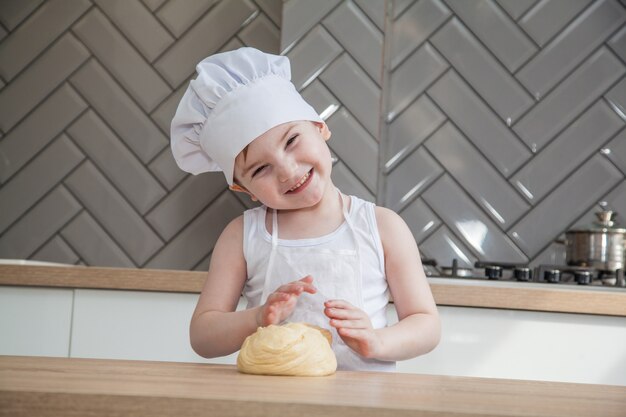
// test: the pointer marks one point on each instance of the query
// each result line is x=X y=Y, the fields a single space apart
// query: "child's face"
x=288 y=167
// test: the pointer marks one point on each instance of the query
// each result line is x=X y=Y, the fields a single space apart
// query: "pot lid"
x=606 y=223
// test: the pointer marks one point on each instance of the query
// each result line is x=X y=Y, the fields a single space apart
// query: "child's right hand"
x=282 y=301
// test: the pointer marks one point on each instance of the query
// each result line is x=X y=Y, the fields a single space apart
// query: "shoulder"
x=228 y=251
x=388 y=219
x=241 y=227
x=235 y=224
x=233 y=232
x=393 y=230
x=253 y=215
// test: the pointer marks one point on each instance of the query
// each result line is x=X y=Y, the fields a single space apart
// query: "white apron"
x=336 y=275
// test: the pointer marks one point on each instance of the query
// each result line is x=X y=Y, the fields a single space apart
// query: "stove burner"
x=612 y=278
x=571 y=274
x=553 y=276
x=511 y=272
x=582 y=277
x=493 y=272
x=523 y=274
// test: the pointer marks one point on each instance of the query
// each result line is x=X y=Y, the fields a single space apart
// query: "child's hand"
x=280 y=304
x=354 y=327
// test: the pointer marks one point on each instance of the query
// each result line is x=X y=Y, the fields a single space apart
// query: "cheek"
x=326 y=156
x=262 y=186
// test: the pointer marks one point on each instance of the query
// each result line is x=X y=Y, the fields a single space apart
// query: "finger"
x=308 y=279
x=310 y=289
x=307 y=284
x=290 y=288
x=277 y=297
x=339 y=304
x=356 y=334
x=269 y=316
x=297 y=288
x=343 y=314
x=348 y=324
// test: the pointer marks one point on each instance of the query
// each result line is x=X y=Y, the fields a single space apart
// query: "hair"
x=244 y=152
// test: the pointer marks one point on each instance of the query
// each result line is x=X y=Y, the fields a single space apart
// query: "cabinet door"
x=135 y=325
x=35 y=321
x=530 y=345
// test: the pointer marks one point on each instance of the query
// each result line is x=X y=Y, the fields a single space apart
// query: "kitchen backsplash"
x=502 y=122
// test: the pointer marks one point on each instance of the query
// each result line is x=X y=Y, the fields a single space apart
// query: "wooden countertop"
x=447 y=291
x=36 y=386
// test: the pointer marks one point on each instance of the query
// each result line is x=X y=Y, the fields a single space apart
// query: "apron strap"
x=348 y=220
x=270 y=262
x=274 y=228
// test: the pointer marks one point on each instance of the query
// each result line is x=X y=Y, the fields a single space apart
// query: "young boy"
x=309 y=253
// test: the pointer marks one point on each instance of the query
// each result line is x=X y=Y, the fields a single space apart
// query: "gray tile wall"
x=87 y=93
x=503 y=120
x=504 y=123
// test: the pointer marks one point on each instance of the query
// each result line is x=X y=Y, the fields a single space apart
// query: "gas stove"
x=548 y=274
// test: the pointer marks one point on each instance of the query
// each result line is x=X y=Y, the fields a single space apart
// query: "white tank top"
x=257 y=245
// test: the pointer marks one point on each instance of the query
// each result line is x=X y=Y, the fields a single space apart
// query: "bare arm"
x=418 y=329
x=216 y=328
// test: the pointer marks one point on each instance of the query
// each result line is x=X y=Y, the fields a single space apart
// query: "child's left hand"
x=354 y=327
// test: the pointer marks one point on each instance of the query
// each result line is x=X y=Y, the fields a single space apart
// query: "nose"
x=287 y=169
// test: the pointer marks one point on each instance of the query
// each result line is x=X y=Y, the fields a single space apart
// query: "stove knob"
x=553 y=276
x=522 y=274
x=582 y=277
x=493 y=272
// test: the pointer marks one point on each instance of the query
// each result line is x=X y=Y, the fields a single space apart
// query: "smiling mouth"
x=303 y=181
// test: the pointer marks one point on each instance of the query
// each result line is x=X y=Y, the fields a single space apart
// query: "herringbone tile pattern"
x=504 y=123
x=336 y=48
x=503 y=120
x=87 y=93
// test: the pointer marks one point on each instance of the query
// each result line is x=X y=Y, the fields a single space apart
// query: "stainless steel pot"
x=601 y=246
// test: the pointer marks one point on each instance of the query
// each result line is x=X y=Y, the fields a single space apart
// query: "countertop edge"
x=447 y=292
x=79 y=386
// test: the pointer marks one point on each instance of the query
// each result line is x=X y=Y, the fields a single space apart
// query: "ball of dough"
x=296 y=349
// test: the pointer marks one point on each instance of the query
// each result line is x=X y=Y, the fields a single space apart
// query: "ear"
x=238 y=188
x=323 y=127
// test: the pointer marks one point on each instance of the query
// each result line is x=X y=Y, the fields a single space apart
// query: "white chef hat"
x=236 y=97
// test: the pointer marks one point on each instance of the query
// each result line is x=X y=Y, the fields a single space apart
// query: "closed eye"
x=291 y=140
x=258 y=170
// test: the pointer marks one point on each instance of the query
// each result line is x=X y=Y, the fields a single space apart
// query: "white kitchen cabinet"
x=516 y=344
x=480 y=342
x=134 y=325
x=35 y=321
